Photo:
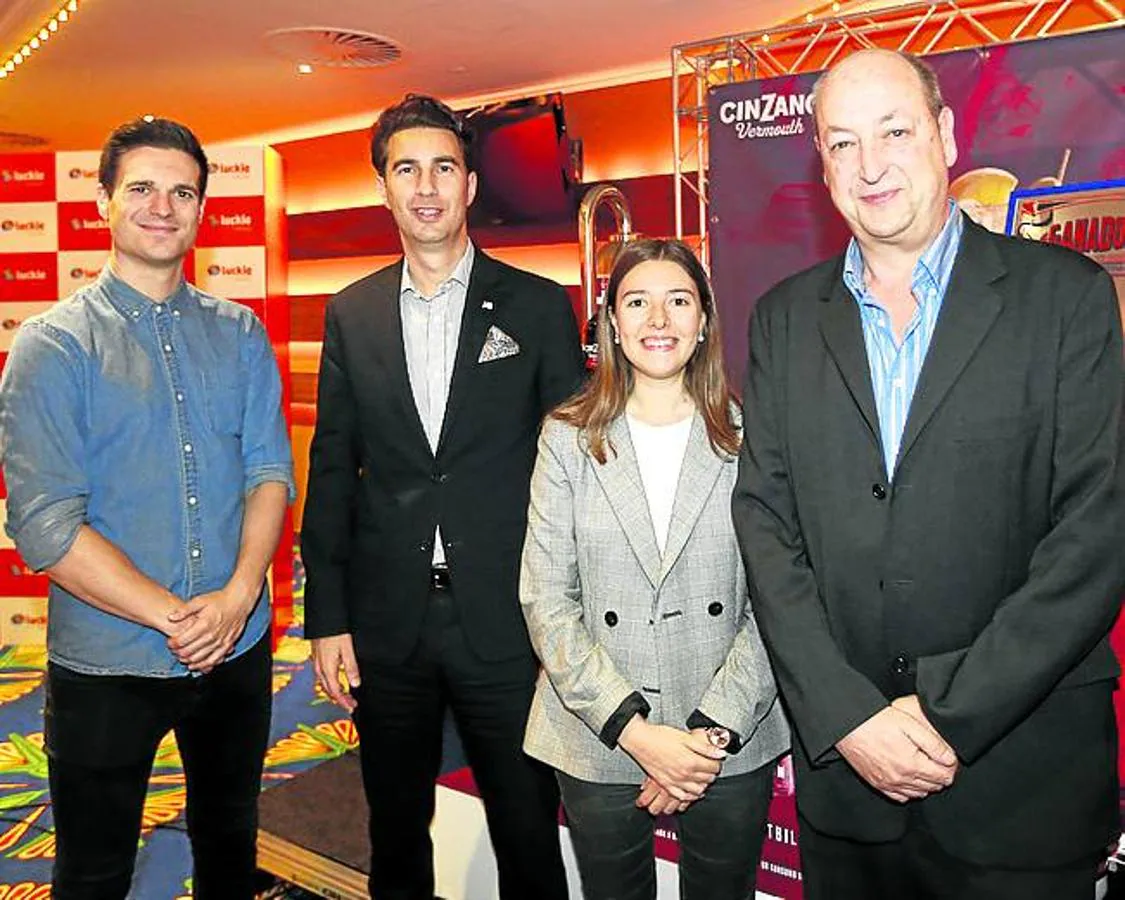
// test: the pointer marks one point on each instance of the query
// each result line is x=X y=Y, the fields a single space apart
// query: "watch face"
x=719 y=737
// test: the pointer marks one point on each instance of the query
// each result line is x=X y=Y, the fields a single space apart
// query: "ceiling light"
x=39 y=37
x=149 y=118
x=304 y=69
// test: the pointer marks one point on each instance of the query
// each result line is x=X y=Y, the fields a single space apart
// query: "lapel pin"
x=487 y=304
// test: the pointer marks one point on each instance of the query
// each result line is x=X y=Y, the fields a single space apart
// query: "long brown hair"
x=605 y=395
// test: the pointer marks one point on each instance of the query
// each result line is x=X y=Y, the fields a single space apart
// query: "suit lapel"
x=842 y=331
x=391 y=349
x=968 y=310
x=620 y=478
x=698 y=473
x=475 y=322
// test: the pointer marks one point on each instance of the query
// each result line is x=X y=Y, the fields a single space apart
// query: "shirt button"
x=176 y=313
x=715 y=608
x=195 y=553
x=187 y=448
x=167 y=348
x=179 y=397
x=900 y=665
x=878 y=491
x=136 y=313
x=611 y=618
x=191 y=501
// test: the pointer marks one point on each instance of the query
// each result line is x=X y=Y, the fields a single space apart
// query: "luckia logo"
x=766 y=116
x=215 y=168
x=13 y=225
x=238 y=271
x=24 y=175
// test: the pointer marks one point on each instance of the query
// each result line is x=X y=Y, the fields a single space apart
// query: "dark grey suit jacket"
x=377 y=490
x=985 y=577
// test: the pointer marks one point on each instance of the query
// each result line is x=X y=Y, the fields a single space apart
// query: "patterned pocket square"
x=497 y=345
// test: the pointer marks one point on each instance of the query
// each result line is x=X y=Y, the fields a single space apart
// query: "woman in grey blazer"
x=655 y=696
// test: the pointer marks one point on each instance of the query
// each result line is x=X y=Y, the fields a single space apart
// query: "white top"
x=660 y=454
x=431 y=328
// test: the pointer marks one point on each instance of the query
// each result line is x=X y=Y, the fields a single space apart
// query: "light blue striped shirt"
x=895 y=367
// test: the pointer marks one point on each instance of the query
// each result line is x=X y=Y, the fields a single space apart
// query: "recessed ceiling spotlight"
x=334 y=47
x=304 y=69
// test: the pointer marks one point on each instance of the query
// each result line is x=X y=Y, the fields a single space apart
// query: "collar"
x=130 y=302
x=935 y=265
x=459 y=275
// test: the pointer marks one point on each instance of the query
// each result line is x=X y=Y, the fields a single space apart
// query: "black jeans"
x=102 y=732
x=399 y=716
x=720 y=835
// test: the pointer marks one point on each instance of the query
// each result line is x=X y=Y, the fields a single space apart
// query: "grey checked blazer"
x=608 y=615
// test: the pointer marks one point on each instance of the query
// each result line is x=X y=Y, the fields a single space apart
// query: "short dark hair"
x=418 y=111
x=162 y=133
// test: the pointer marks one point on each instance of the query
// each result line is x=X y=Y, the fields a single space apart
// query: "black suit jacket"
x=377 y=491
x=985 y=577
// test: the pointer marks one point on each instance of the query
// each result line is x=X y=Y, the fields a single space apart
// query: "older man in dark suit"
x=435 y=375
x=930 y=503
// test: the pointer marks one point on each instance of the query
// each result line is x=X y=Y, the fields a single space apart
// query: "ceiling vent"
x=333 y=47
x=23 y=141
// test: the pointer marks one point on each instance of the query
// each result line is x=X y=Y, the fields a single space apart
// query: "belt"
x=439 y=578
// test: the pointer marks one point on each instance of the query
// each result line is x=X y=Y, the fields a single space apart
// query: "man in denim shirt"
x=148 y=471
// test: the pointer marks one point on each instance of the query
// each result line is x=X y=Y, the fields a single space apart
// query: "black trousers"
x=720 y=837
x=399 y=718
x=916 y=866
x=102 y=732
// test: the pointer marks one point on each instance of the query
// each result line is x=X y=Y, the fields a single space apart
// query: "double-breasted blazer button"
x=900 y=665
x=715 y=608
x=611 y=618
x=878 y=491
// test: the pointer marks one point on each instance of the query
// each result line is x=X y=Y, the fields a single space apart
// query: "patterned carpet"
x=306 y=730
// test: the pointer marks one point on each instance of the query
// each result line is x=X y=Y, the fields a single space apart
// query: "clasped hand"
x=679 y=765
x=202 y=632
x=899 y=753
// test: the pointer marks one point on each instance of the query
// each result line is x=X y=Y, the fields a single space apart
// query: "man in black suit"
x=930 y=504
x=435 y=375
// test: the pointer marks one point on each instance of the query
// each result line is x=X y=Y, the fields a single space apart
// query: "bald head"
x=870 y=62
x=886 y=144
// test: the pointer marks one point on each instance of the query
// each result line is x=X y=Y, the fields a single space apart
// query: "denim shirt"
x=149 y=422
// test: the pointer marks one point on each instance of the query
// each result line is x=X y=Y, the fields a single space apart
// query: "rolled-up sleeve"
x=42 y=436
x=266 y=453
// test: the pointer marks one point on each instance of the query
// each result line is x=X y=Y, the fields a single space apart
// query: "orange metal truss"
x=818 y=39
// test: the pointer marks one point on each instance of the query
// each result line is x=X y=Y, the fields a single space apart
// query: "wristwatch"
x=718 y=736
